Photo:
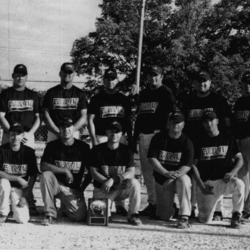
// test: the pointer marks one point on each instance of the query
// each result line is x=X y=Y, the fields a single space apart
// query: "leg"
x=5 y=190
x=30 y=199
x=30 y=140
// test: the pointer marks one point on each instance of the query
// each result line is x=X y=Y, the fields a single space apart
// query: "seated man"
x=171 y=156
x=113 y=170
x=217 y=162
x=62 y=165
x=18 y=171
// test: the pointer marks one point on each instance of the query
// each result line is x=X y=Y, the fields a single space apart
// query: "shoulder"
x=7 y=91
x=53 y=89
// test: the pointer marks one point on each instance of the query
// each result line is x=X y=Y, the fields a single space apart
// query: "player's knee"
x=184 y=181
x=134 y=183
x=46 y=175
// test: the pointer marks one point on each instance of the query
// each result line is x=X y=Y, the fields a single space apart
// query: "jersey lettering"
x=211 y=153
x=112 y=170
x=15 y=169
x=196 y=114
x=20 y=106
x=112 y=111
x=73 y=166
x=171 y=158
x=148 y=107
x=242 y=116
x=65 y=103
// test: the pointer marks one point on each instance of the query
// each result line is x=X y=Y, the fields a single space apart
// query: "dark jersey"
x=154 y=107
x=111 y=162
x=105 y=106
x=194 y=108
x=20 y=106
x=19 y=163
x=241 y=118
x=171 y=153
x=64 y=102
x=74 y=157
x=215 y=156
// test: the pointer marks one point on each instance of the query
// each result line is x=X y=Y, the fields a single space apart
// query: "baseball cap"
x=246 y=77
x=202 y=75
x=110 y=73
x=114 y=125
x=68 y=67
x=66 y=122
x=155 y=69
x=20 y=69
x=177 y=117
x=17 y=128
x=209 y=115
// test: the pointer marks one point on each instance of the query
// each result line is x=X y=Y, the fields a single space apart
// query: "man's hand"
x=69 y=176
x=228 y=177
x=26 y=137
x=22 y=202
x=23 y=183
x=107 y=185
x=207 y=189
x=172 y=174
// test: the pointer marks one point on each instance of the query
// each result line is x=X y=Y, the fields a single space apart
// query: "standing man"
x=156 y=102
x=113 y=170
x=217 y=162
x=62 y=165
x=64 y=100
x=171 y=156
x=18 y=170
x=242 y=134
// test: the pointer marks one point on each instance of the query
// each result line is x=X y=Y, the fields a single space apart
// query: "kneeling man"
x=171 y=156
x=113 y=170
x=217 y=162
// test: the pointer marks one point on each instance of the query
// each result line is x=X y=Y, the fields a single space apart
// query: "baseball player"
x=63 y=100
x=18 y=170
x=109 y=104
x=241 y=130
x=171 y=156
x=156 y=102
x=62 y=166
x=217 y=162
x=113 y=170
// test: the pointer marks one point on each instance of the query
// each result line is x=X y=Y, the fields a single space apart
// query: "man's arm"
x=50 y=124
x=4 y=123
x=82 y=120
x=20 y=180
x=91 y=127
x=238 y=163
x=36 y=124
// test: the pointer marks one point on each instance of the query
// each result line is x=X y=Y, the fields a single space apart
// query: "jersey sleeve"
x=130 y=157
x=188 y=154
x=48 y=154
x=153 y=150
x=37 y=108
x=46 y=100
x=3 y=102
x=92 y=106
x=83 y=104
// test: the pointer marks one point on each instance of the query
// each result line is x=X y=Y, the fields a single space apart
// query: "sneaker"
x=33 y=211
x=152 y=214
x=236 y=220
x=148 y=210
x=183 y=223
x=134 y=220
x=3 y=218
x=121 y=211
x=245 y=215
x=48 y=220
x=217 y=216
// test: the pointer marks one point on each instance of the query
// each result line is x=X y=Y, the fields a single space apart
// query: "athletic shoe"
x=149 y=210
x=48 y=220
x=217 y=216
x=33 y=211
x=121 y=211
x=3 y=218
x=245 y=215
x=236 y=220
x=134 y=220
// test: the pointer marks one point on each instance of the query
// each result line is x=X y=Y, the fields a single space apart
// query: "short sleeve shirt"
x=105 y=106
x=62 y=102
x=111 y=162
x=171 y=153
x=18 y=163
x=215 y=155
x=74 y=157
x=20 y=106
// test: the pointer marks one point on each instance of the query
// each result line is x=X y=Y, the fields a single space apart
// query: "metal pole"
x=138 y=72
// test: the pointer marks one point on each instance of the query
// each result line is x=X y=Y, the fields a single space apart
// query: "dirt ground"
x=157 y=235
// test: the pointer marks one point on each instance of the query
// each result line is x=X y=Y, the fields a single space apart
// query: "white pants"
x=165 y=197
x=207 y=203
x=52 y=137
x=20 y=214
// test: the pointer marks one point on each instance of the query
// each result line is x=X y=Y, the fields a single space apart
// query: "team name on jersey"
x=211 y=153
x=20 y=106
x=112 y=111
x=242 y=116
x=65 y=103
x=15 y=169
x=148 y=107
x=112 y=170
x=171 y=158
x=73 y=166
x=196 y=114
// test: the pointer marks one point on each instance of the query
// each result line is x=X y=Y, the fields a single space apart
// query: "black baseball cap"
x=17 y=128
x=246 y=77
x=209 y=115
x=202 y=75
x=155 y=69
x=68 y=67
x=110 y=73
x=66 y=122
x=113 y=124
x=177 y=117
x=20 y=69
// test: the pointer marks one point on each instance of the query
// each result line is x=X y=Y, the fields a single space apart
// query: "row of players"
x=156 y=102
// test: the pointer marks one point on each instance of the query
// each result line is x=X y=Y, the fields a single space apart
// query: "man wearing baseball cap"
x=217 y=162
x=63 y=100
x=241 y=129
x=63 y=164
x=18 y=170
x=113 y=170
x=156 y=102
x=171 y=156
